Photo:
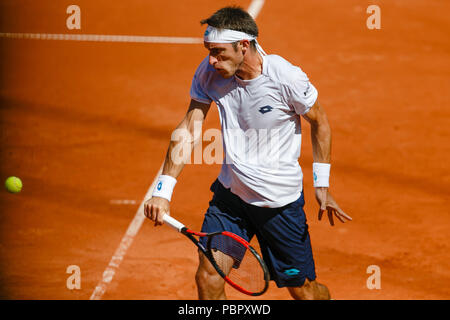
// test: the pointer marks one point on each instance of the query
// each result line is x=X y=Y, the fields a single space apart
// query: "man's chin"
x=225 y=75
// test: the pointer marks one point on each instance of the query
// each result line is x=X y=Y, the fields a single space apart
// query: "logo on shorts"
x=159 y=186
x=265 y=109
x=291 y=272
x=315 y=176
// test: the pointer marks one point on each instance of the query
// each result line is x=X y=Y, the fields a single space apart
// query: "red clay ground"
x=84 y=123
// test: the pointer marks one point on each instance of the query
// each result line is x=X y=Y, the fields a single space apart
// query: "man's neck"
x=251 y=67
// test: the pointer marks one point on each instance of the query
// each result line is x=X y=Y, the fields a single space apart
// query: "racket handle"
x=177 y=225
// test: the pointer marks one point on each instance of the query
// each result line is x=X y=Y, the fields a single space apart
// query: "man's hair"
x=233 y=18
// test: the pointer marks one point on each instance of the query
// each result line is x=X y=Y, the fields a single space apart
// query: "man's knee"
x=310 y=290
x=204 y=277
x=209 y=283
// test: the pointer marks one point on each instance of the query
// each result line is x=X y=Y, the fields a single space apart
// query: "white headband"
x=229 y=36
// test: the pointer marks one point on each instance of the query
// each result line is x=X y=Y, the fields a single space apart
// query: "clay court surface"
x=86 y=125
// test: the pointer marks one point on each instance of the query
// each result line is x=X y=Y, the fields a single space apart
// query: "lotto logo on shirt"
x=265 y=109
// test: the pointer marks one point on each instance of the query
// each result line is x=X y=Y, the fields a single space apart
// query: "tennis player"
x=255 y=92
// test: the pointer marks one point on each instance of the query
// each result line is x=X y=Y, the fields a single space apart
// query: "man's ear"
x=245 y=46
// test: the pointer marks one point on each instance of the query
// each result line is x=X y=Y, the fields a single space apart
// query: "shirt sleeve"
x=197 y=92
x=301 y=93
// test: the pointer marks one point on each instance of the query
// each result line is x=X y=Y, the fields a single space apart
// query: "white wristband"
x=321 y=173
x=164 y=187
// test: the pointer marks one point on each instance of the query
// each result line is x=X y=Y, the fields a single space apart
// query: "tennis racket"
x=238 y=263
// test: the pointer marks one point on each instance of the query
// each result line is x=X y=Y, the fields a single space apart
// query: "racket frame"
x=208 y=253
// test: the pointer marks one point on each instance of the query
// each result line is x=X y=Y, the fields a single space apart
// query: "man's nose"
x=212 y=60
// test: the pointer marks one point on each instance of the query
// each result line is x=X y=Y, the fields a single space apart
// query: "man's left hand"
x=327 y=203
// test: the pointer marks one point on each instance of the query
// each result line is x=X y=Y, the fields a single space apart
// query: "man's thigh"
x=285 y=243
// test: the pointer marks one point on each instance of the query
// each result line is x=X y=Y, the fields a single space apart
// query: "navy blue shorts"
x=282 y=233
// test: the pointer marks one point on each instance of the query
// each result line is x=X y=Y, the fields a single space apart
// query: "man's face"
x=224 y=58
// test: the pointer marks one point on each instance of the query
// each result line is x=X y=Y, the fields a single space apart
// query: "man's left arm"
x=321 y=145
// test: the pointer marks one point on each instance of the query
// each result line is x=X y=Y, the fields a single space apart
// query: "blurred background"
x=86 y=125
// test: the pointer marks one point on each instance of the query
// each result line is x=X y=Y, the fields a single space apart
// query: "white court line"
x=122 y=201
x=125 y=243
x=254 y=9
x=101 y=38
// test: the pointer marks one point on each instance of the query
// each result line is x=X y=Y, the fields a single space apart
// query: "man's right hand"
x=155 y=208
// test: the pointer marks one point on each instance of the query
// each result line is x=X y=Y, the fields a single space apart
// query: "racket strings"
x=237 y=262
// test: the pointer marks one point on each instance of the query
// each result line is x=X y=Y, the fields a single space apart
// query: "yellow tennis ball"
x=13 y=184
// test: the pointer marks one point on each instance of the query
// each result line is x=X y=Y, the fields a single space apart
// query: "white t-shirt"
x=260 y=127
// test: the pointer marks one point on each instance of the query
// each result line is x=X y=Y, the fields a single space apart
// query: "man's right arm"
x=187 y=138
